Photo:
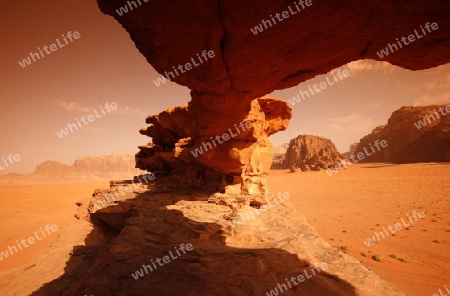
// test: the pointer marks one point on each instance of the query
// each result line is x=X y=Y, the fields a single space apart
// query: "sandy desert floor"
x=24 y=209
x=346 y=209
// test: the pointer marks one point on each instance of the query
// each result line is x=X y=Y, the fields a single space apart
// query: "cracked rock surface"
x=251 y=257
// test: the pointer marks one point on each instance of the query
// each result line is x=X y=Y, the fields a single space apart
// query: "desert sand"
x=346 y=209
x=24 y=209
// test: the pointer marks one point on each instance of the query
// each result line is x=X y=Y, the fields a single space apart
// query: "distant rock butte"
x=279 y=154
x=310 y=153
x=406 y=142
x=280 y=150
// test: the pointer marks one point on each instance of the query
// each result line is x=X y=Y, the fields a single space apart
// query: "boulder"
x=310 y=153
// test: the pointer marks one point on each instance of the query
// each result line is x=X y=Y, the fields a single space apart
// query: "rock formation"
x=279 y=154
x=51 y=168
x=406 y=142
x=231 y=156
x=83 y=168
x=246 y=65
x=105 y=164
x=280 y=150
x=311 y=42
x=353 y=147
x=310 y=153
x=249 y=257
x=350 y=152
x=227 y=90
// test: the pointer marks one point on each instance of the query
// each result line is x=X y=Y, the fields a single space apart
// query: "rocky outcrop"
x=227 y=64
x=313 y=41
x=310 y=153
x=231 y=156
x=175 y=240
x=413 y=134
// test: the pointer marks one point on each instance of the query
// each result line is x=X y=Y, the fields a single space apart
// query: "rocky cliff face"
x=98 y=165
x=231 y=157
x=280 y=150
x=413 y=134
x=104 y=165
x=310 y=153
x=52 y=168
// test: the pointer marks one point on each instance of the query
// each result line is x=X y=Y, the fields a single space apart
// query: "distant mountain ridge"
x=88 y=168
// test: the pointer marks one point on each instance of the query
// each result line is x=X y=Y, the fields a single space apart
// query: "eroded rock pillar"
x=233 y=156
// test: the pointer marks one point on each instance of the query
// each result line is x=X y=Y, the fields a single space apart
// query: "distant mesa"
x=308 y=153
x=351 y=151
x=84 y=168
x=414 y=134
x=280 y=150
x=279 y=154
x=52 y=168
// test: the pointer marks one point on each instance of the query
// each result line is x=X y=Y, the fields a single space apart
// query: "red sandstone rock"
x=314 y=41
x=310 y=153
x=194 y=155
x=245 y=66
x=405 y=142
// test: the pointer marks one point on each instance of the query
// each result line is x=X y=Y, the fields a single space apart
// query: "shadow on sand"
x=145 y=229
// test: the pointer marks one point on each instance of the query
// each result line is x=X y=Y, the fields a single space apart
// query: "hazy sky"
x=103 y=66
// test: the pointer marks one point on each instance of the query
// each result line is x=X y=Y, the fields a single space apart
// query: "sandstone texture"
x=181 y=148
x=237 y=249
x=310 y=153
x=244 y=65
x=406 y=142
x=314 y=41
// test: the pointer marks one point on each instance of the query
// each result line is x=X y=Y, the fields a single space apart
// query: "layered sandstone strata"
x=230 y=156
